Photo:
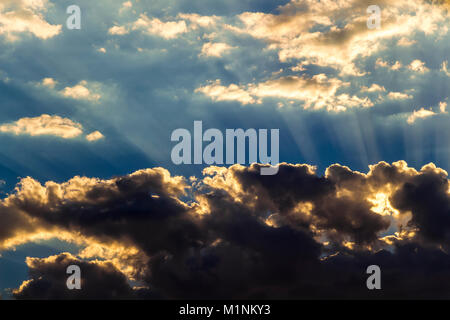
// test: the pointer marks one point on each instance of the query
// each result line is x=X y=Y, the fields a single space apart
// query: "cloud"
x=44 y=125
x=99 y=279
x=154 y=26
x=241 y=233
x=425 y=113
x=341 y=35
x=25 y=16
x=405 y=42
x=444 y=68
x=197 y=20
x=216 y=91
x=118 y=30
x=170 y=29
x=399 y=96
x=373 y=88
x=217 y=49
x=94 y=136
x=80 y=92
x=316 y=92
x=396 y=66
x=420 y=114
x=127 y=4
x=418 y=66
x=49 y=82
x=233 y=233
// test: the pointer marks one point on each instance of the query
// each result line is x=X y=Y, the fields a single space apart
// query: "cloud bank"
x=237 y=234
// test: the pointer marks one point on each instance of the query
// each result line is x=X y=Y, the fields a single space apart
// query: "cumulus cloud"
x=44 y=125
x=99 y=279
x=25 y=16
x=80 y=92
x=418 y=66
x=49 y=82
x=94 y=136
x=118 y=30
x=241 y=235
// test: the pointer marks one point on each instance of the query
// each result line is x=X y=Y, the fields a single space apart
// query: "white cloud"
x=384 y=64
x=444 y=68
x=25 y=16
x=118 y=30
x=217 y=92
x=182 y=23
x=399 y=96
x=80 y=92
x=420 y=114
x=443 y=107
x=197 y=20
x=44 y=125
x=373 y=88
x=94 y=136
x=397 y=65
x=425 y=113
x=127 y=4
x=418 y=66
x=49 y=82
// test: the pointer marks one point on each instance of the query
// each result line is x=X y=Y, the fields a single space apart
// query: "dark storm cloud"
x=427 y=197
x=99 y=279
x=346 y=214
x=142 y=208
x=292 y=235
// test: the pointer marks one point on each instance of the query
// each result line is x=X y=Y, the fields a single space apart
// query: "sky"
x=86 y=175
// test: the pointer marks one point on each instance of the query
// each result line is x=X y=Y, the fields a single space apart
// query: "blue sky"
x=137 y=70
